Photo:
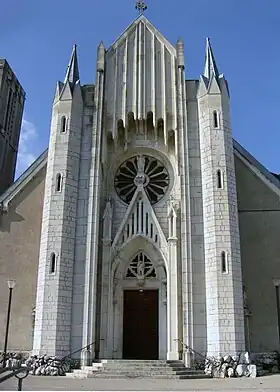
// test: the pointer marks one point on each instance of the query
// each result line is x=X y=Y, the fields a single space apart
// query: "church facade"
x=145 y=225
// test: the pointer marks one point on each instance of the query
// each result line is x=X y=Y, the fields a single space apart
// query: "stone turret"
x=55 y=273
x=224 y=298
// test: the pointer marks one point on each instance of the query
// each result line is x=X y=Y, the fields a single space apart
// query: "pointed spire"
x=72 y=74
x=100 y=57
x=210 y=68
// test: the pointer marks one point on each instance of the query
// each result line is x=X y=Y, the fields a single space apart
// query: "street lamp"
x=11 y=285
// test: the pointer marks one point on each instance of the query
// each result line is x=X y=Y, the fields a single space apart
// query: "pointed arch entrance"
x=137 y=319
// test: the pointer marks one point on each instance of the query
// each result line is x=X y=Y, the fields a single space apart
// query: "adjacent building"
x=12 y=97
x=145 y=223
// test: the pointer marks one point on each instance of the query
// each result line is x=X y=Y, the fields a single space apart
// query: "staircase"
x=159 y=369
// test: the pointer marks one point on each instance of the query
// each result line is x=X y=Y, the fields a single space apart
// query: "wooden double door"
x=140 y=324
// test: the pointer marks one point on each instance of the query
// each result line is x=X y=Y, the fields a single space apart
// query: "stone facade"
x=140 y=194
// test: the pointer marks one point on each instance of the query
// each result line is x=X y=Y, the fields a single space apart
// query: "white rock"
x=252 y=369
x=241 y=370
x=227 y=358
x=244 y=358
x=230 y=372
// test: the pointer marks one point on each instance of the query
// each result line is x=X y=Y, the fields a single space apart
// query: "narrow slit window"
x=63 y=124
x=220 y=182
x=53 y=263
x=216 y=119
x=58 y=185
x=224 y=262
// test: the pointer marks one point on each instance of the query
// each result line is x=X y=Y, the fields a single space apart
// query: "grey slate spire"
x=72 y=74
x=210 y=68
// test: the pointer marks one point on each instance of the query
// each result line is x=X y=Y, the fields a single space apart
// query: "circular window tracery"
x=145 y=170
x=141 y=267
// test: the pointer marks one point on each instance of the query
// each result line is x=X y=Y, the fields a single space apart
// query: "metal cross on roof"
x=141 y=6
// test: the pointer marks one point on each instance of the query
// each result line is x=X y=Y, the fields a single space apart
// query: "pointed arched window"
x=63 y=124
x=216 y=119
x=58 y=183
x=52 y=263
x=220 y=179
x=224 y=263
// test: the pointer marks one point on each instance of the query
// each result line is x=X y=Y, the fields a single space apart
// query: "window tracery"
x=141 y=170
x=141 y=267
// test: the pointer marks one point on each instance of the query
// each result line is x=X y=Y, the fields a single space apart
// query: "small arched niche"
x=131 y=126
x=121 y=133
x=171 y=141
x=110 y=142
x=160 y=129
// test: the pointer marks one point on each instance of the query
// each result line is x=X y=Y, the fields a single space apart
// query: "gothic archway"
x=138 y=266
x=143 y=274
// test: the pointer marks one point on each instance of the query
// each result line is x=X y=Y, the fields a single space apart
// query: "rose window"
x=142 y=170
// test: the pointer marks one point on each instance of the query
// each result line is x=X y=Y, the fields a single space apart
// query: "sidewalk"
x=33 y=383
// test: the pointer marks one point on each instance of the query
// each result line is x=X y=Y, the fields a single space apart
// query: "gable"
x=148 y=28
x=22 y=182
x=252 y=192
x=139 y=220
x=267 y=178
x=140 y=76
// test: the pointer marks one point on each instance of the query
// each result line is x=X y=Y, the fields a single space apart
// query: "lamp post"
x=11 y=285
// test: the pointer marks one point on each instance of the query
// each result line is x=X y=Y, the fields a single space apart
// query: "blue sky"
x=36 y=37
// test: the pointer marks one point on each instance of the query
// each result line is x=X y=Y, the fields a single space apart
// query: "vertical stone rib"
x=93 y=221
x=134 y=72
x=153 y=83
x=174 y=102
x=144 y=111
x=115 y=92
x=163 y=87
x=189 y=268
x=124 y=86
x=182 y=124
x=140 y=114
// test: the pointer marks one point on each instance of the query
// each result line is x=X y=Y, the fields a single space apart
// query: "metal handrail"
x=66 y=360
x=191 y=349
x=77 y=351
x=212 y=361
x=14 y=373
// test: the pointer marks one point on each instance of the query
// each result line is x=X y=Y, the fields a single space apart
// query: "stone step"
x=150 y=371
x=139 y=361
x=128 y=369
x=100 y=375
x=148 y=375
x=138 y=366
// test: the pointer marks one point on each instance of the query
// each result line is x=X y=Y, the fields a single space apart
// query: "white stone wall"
x=54 y=290
x=198 y=310
x=92 y=234
x=224 y=297
x=81 y=223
